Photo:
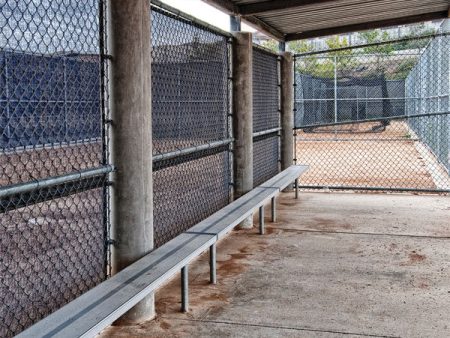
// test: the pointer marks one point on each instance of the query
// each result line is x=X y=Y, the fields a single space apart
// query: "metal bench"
x=98 y=308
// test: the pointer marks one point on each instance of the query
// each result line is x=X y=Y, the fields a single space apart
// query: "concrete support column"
x=243 y=116
x=131 y=139
x=287 y=110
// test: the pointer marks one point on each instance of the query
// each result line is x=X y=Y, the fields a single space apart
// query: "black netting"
x=52 y=238
x=266 y=116
x=190 y=108
x=265 y=158
x=188 y=192
x=189 y=84
x=265 y=91
x=375 y=117
x=51 y=251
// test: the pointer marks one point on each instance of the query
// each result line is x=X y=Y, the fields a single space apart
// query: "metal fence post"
x=335 y=95
x=243 y=116
x=131 y=139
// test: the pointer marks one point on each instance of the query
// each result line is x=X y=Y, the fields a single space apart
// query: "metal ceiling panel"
x=297 y=19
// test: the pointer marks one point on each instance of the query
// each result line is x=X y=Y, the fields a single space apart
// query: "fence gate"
x=375 y=117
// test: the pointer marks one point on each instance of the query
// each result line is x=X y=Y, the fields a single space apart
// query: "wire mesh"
x=190 y=107
x=186 y=192
x=376 y=116
x=266 y=115
x=53 y=239
x=265 y=158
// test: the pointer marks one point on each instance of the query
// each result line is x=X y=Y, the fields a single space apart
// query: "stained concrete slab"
x=334 y=265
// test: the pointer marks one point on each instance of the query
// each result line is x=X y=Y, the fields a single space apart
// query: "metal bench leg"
x=274 y=210
x=185 y=289
x=261 y=219
x=212 y=264
x=296 y=188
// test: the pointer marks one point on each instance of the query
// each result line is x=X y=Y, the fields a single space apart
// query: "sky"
x=205 y=12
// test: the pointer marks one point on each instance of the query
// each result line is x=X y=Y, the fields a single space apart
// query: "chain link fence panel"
x=266 y=115
x=427 y=90
x=53 y=230
x=190 y=107
x=375 y=117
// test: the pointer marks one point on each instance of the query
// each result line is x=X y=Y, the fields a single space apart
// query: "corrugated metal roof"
x=299 y=19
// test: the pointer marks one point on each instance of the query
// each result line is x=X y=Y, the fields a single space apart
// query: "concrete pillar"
x=287 y=110
x=131 y=139
x=243 y=116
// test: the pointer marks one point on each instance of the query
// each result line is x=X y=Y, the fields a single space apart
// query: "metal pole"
x=185 y=289
x=266 y=132
x=365 y=113
x=274 y=209
x=296 y=188
x=49 y=182
x=212 y=264
x=243 y=117
x=191 y=150
x=357 y=104
x=131 y=140
x=335 y=94
x=261 y=220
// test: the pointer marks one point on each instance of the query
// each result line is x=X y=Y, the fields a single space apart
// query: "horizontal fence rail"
x=53 y=181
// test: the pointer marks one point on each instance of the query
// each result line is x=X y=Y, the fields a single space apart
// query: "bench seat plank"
x=286 y=177
x=101 y=306
x=223 y=221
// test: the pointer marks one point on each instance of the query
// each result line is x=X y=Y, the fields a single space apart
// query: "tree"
x=375 y=36
x=271 y=44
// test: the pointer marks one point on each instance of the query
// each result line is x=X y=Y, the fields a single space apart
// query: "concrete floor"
x=333 y=265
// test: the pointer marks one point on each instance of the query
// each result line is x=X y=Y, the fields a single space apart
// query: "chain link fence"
x=191 y=127
x=266 y=115
x=53 y=168
x=427 y=89
x=375 y=117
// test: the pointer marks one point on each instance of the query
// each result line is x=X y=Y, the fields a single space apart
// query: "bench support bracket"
x=185 y=289
x=212 y=264
x=261 y=220
x=274 y=209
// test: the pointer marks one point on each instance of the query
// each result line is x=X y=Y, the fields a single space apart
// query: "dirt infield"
x=357 y=156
